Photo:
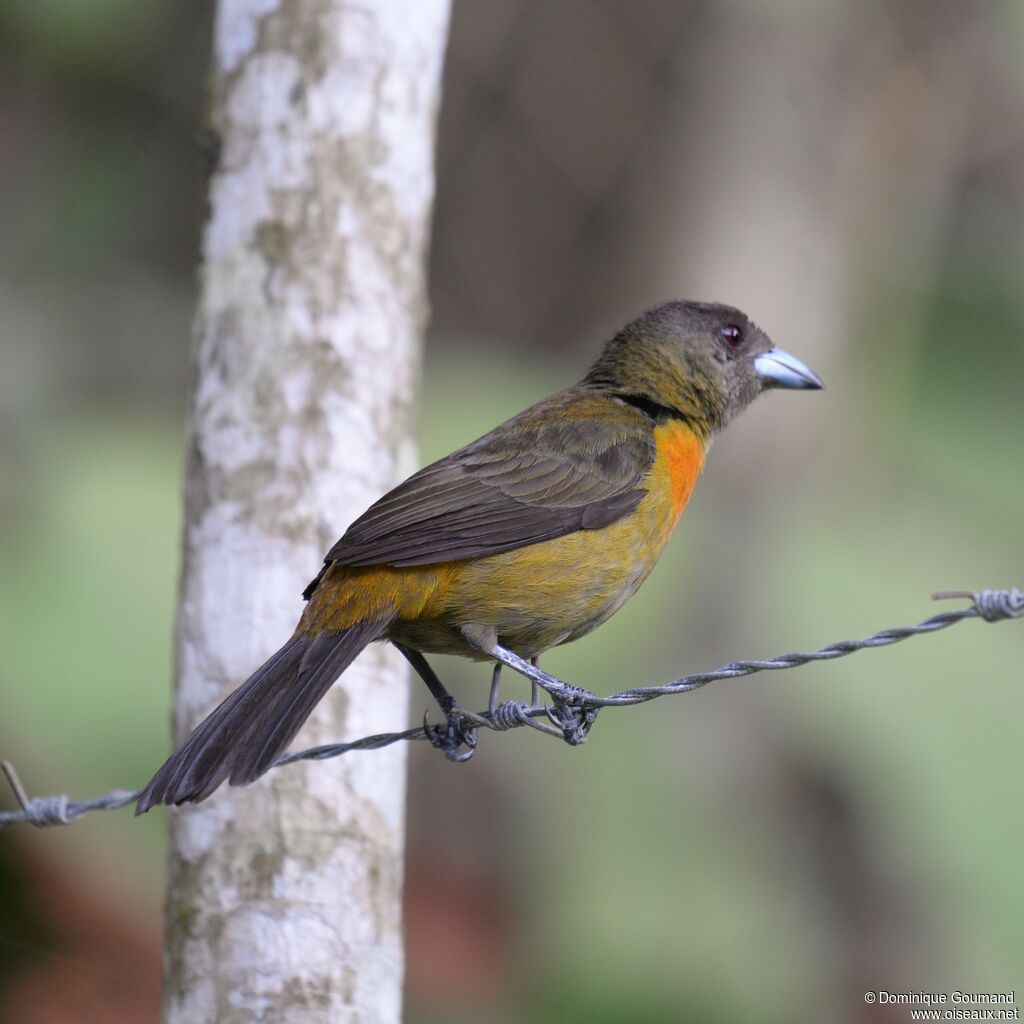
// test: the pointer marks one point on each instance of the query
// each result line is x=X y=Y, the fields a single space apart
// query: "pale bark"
x=284 y=900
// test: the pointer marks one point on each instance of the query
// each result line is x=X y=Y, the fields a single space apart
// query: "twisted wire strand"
x=573 y=715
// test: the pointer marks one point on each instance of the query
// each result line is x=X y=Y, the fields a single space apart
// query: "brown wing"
x=572 y=462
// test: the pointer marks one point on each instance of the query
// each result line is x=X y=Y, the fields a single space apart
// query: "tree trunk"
x=284 y=899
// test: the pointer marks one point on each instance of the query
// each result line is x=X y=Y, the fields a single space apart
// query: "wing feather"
x=576 y=461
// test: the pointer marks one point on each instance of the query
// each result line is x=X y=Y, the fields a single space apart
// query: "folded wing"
x=574 y=462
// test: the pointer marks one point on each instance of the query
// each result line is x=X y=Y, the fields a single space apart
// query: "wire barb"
x=574 y=712
x=992 y=605
x=60 y=809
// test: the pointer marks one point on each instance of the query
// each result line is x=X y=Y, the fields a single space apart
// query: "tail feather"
x=322 y=662
x=243 y=737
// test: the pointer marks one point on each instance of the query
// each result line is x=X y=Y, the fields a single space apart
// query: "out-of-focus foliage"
x=849 y=174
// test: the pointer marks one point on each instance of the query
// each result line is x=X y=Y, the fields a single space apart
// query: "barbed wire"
x=572 y=715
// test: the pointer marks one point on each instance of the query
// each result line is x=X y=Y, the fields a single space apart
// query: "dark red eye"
x=732 y=335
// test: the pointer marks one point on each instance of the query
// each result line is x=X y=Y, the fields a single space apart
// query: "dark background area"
x=848 y=173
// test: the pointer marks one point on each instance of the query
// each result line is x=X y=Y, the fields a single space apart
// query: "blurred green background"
x=850 y=174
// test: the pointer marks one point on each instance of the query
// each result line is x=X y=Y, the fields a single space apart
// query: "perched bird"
x=527 y=538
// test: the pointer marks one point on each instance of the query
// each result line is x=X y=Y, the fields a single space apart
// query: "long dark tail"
x=249 y=731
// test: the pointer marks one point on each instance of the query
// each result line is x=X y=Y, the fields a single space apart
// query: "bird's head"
x=700 y=360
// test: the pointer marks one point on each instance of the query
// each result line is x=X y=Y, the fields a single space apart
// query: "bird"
x=528 y=538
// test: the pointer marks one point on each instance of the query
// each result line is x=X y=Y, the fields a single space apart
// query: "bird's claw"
x=450 y=738
x=572 y=717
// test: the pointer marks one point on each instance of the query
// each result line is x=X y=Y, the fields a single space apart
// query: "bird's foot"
x=456 y=739
x=572 y=716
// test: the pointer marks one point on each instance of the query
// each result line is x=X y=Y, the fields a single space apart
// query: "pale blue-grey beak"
x=778 y=369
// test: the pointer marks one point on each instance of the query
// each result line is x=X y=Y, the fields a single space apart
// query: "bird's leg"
x=492 y=701
x=573 y=713
x=456 y=732
x=555 y=687
x=494 y=709
x=444 y=699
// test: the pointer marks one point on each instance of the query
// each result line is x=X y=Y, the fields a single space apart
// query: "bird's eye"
x=732 y=335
